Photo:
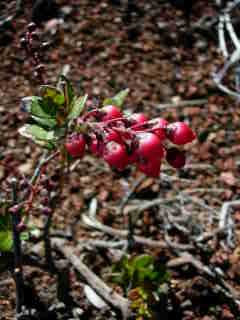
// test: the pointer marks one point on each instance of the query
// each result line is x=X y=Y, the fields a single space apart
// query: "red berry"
x=179 y=133
x=110 y=112
x=176 y=158
x=113 y=136
x=115 y=155
x=151 y=167
x=96 y=146
x=159 y=127
x=149 y=146
x=138 y=119
x=76 y=146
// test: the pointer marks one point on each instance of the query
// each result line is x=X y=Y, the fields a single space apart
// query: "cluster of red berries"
x=123 y=140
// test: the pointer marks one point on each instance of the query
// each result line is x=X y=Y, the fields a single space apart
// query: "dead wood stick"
x=101 y=288
x=148 y=204
x=225 y=211
x=102 y=243
x=181 y=103
x=95 y=224
x=206 y=236
x=222 y=285
x=130 y=193
x=225 y=220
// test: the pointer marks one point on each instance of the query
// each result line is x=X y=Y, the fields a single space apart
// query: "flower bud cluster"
x=32 y=45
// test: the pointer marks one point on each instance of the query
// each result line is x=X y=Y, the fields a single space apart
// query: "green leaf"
x=143 y=261
x=77 y=107
x=35 y=132
x=118 y=99
x=5 y=232
x=26 y=103
x=5 y=222
x=48 y=145
x=24 y=235
x=37 y=108
x=35 y=232
x=52 y=94
x=6 y=240
x=67 y=89
x=41 y=111
x=60 y=132
x=47 y=122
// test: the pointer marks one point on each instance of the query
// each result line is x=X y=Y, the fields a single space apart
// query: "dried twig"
x=95 y=224
x=225 y=212
x=222 y=285
x=206 y=236
x=225 y=25
x=19 y=9
x=101 y=288
x=225 y=219
x=102 y=243
x=130 y=193
x=184 y=103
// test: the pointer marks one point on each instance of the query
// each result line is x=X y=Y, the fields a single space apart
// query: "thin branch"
x=222 y=285
x=8 y=19
x=225 y=211
x=47 y=243
x=95 y=224
x=102 y=243
x=184 y=103
x=101 y=288
x=206 y=236
x=223 y=88
x=17 y=249
x=130 y=193
x=45 y=160
x=226 y=221
x=231 y=58
x=221 y=37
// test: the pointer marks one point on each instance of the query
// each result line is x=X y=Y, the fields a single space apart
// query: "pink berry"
x=95 y=146
x=138 y=119
x=113 y=136
x=179 y=133
x=176 y=158
x=149 y=146
x=75 y=146
x=111 y=112
x=159 y=127
x=151 y=167
x=115 y=155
